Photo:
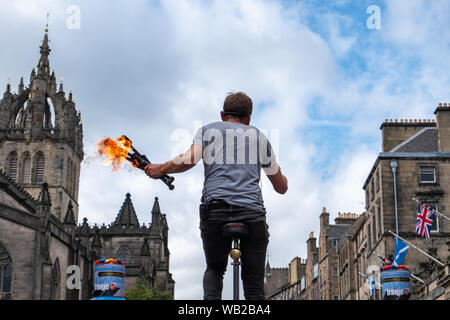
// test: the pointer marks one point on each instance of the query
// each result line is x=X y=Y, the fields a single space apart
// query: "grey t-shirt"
x=233 y=156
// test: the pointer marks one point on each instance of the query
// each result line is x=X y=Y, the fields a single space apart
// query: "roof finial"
x=46 y=25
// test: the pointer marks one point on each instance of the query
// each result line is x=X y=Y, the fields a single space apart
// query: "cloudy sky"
x=321 y=77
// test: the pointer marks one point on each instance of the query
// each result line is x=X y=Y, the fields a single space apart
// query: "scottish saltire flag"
x=425 y=217
x=401 y=249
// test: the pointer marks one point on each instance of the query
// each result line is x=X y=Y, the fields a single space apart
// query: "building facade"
x=414 y=162
x=41 y=151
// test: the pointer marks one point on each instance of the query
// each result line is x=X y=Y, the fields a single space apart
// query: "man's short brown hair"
x=238 y=104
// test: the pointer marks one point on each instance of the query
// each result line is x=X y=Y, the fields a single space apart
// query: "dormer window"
x=427 y=174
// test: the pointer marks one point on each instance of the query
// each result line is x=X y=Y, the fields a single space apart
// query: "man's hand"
x=154 y=170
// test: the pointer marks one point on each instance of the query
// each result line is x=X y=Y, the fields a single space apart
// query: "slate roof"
x=336 y=230
x=426 y=140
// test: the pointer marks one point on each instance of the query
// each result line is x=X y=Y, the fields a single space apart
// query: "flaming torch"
x=122 y=150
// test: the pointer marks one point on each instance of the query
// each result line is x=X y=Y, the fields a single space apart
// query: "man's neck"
x=236 y=120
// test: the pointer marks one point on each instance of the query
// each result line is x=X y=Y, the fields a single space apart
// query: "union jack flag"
x=425 y=217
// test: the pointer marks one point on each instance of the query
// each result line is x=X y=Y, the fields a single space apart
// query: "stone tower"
x=41 y=136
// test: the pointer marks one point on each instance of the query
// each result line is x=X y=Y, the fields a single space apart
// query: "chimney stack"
x=442 y=113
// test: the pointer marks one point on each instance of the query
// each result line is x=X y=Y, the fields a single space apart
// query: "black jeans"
x=217 y=248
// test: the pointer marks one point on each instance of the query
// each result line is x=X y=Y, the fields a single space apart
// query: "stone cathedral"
x=41 y=151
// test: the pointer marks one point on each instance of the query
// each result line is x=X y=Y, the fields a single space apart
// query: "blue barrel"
x=396 y=284
x=109 y=281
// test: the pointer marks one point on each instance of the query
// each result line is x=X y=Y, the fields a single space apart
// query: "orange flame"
x=115 y=152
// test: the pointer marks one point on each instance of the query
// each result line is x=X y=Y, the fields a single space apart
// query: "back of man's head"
x=237 y=105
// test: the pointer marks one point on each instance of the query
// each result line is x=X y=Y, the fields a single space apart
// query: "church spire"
x=44 y=64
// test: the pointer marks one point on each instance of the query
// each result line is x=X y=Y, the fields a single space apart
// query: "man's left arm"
x=180 y=163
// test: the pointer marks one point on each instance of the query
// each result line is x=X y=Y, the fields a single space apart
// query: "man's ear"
x=222 y=116
x=246 y=120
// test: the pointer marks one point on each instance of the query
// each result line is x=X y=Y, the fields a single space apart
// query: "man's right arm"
x=278 y=180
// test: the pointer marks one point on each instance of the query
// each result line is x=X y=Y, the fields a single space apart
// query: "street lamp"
x=394 y=166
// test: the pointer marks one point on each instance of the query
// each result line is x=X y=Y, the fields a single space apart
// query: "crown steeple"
x=39 y=119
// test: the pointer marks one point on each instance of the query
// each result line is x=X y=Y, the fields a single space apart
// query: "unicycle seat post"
x=235 y=231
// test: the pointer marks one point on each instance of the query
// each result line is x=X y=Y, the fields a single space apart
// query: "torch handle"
x=165 y=178
x=142 y=161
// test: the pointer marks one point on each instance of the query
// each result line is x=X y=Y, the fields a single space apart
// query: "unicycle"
x=235 y=231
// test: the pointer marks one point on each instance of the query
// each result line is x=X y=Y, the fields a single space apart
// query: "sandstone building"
x=41 y=151
x=415 y=155
x=414 y=162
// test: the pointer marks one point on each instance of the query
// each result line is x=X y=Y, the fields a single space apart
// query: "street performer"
x=233 y=154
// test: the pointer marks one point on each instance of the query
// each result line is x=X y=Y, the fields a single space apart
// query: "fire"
x=115 y=152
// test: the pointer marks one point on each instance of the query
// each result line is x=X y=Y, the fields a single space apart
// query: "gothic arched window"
x=26 y=168
x=5 y=274
x=12 y=165
x=124 y=254
x=40 y=165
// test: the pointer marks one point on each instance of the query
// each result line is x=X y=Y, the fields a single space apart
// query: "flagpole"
x=432 y=258
x=417 y=278
x=437 y=212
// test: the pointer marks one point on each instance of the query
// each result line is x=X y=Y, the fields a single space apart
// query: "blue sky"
x=314 y=70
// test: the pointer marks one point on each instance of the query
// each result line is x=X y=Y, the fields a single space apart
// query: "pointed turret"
x=7 y=93
x=8 y=86
x=44 y=195
x=84 y=228
x=44 y=202
x=127 y=215
x=267 y=271
x=61 y=86
x=69 y=219
x=21 y=86
x=156 y=217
